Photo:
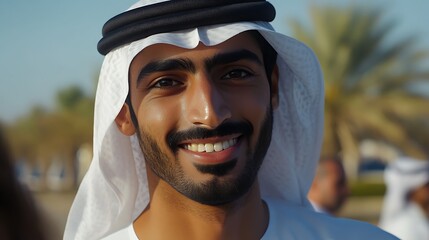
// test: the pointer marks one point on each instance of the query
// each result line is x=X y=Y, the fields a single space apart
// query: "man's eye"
x=238 y=73
x=166 y=82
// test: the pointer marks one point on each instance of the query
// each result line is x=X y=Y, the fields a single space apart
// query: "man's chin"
x=217 y=192
x=218 y=170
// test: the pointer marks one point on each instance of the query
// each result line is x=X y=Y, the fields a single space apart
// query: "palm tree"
x=368 y=82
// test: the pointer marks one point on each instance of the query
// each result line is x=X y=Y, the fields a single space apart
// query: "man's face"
x=420 y=196
x=204 y=116
x=333 y=186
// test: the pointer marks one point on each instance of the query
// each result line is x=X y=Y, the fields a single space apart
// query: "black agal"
x=178 y=15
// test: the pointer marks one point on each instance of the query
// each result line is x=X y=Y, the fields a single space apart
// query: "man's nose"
x=205 y=103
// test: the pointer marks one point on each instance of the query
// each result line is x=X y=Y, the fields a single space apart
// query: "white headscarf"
x=115 y=189
x=401 y=176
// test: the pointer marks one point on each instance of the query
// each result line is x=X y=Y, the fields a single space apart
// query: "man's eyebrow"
x=230 y=57
x=166 y=65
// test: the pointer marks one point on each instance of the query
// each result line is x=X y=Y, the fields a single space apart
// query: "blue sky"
x=46 y=45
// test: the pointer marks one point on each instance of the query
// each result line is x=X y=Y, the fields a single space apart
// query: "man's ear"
x=124 y=122
x=275 y=87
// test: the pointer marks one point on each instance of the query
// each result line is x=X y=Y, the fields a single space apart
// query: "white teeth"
x=218 y=147
x=201 y=147
x=210 y=147
x=225 y=144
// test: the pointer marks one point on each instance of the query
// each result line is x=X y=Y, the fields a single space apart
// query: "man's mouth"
x=200 y=141
x=210 y=147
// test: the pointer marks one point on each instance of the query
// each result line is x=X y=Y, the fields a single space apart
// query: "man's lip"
x=211 y=147
x=210 y=140
x=215 y=157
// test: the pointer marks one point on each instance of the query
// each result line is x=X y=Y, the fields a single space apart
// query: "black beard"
x=215 y=191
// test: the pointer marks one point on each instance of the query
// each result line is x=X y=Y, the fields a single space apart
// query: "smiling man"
x=206 y=116
x=208 y=125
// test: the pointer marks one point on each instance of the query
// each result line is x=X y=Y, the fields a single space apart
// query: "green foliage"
x=367 y=80
x=43 y=135
x=367 y=189
x=69 y=97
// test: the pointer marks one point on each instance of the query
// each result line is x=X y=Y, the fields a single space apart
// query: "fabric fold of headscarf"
x=402 y=176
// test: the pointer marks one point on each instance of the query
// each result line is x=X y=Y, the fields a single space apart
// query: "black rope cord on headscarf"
x=179 y=15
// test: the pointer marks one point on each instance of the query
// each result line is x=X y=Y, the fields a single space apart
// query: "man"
x=207 y=126
x=329 y=190
x=20 y=217
x=406 y=204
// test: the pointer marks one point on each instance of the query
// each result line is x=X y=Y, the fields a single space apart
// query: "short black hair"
x=269 y=55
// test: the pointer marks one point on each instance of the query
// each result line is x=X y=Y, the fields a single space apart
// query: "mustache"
x=227 y=128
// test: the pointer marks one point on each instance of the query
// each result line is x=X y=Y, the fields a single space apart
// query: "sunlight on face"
x=204 y=115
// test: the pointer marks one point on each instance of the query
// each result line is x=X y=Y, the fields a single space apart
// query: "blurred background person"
x=405 y=210
x=329 y=189
x=19 y=218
